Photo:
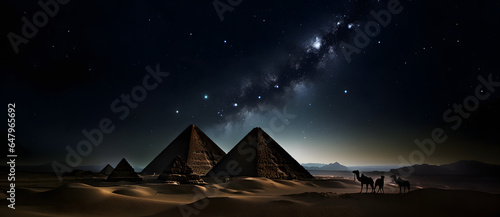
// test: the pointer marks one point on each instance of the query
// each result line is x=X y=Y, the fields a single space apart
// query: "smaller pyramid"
x=178 y=167
x=123 y=172
x=107 y=170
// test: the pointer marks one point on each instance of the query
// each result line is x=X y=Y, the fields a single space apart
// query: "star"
x=206 y=96
x=225 y=41
x=317 y=43
x=276 y=86
x=258 y=97
x=345 y=91
x=177 y=111
x=235 y=104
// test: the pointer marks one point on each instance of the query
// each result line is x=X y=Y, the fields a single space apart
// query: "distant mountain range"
x=463 y=167
x=332 y=166
x=339 y=167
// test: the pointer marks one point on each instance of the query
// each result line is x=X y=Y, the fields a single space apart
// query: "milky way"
x=274 y=85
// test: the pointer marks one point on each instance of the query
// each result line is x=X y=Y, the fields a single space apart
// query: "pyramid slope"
x=198 y=150
x=123 y=172
x=257 y=154
x=107 y=170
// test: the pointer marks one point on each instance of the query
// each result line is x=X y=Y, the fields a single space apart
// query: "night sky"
x=278 y=65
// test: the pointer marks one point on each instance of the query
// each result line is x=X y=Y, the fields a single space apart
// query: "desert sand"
x=242 y=196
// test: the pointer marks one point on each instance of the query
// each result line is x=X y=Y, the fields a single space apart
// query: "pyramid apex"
x=191 y=127
x=257 y=129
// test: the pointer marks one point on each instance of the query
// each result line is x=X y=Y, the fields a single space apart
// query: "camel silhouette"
x=380 y=183
x=401 y=183
x=365 y=180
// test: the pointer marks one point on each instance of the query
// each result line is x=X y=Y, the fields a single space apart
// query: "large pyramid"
x=107 y=170
x=123 y=172
x=259 y=155
x=192 y=145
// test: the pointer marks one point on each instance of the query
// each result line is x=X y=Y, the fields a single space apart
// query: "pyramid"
x=107 y=170
x=258 y=155
x=123 y=172
x=199 y=152
x=178 y=166
x=177 y=170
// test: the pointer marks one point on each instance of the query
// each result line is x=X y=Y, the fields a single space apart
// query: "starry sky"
x=279 y=65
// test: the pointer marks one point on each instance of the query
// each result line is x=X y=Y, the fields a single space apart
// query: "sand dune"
x=246 y=197
x=84 y=200
x=135 y=191
x=429 y=202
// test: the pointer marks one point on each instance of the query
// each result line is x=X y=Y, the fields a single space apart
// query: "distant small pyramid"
x=123 y=172
x=257 y=154
x=192 y=145
x=178 y=166
x=107 y=170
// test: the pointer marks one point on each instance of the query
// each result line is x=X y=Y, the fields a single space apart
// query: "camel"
x=380 y=183
x=365 y=180
x=401 y=183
